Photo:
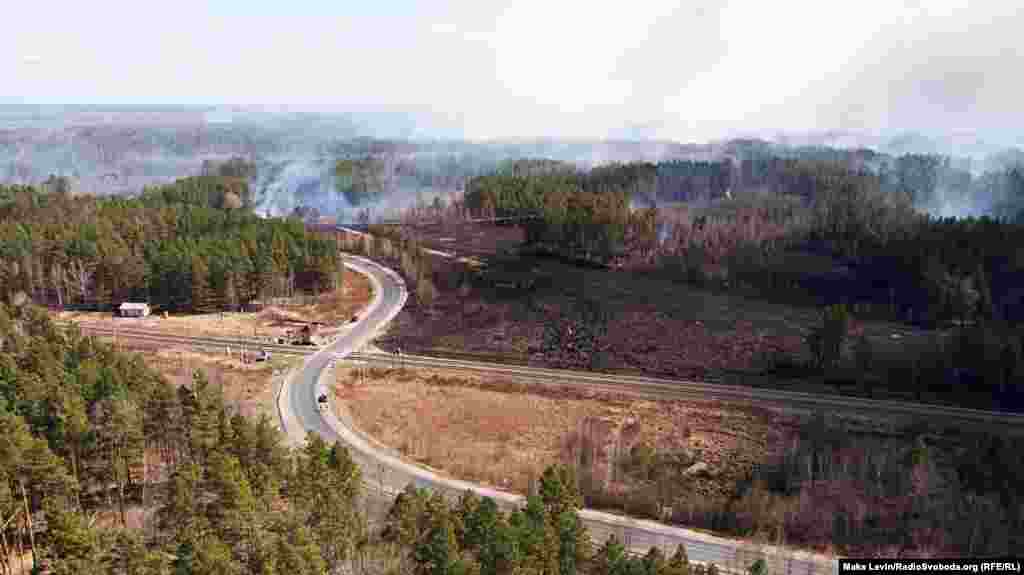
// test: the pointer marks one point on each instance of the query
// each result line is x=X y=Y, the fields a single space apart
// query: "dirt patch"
x=493 y=433
x=248 y=387
x=332 y=309
x=467 y=239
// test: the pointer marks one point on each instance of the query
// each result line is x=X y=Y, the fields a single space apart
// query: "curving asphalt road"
x=300 y=413
x=303 y=409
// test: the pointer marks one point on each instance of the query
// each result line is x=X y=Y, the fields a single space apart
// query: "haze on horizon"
x=688 y=72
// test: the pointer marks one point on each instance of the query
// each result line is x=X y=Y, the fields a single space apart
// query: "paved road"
x=386 y=474
x=389 y=296
x=632 y=385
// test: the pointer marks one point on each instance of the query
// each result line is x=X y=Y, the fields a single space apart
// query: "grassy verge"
x=332 y=309
x=850 y=485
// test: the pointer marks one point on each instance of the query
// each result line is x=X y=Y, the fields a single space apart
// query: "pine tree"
x=182 y=512
x=201 y=408
x=233 y=515
x=499 y=549
x=679 y=564
x=538 y=538
x=573 y=542
x=609 y=558
x=559 y=491
x=120 y=440
x=102 y=293
x=209 y=556
x=201 y=296
x=294 y=550
x=477 y=519
x=439 y=552
x=984 y=308
x=136 y=558
x=654 y=562
x=331 y=482
x=759 y=567
x=71 y=540
x=401 y=525
x=229 y=297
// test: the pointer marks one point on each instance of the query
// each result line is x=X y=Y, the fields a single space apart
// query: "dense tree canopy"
x=192 y=245
x=78 y=422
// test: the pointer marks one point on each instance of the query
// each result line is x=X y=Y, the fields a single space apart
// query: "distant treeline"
x=925 y=179
x=858 y=209
x=193 y=245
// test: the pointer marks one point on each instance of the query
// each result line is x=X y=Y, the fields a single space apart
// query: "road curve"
x=300 y=413
x=300 y=394
x=1002 y=422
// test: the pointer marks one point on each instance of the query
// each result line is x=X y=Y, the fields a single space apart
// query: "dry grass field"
x=845 y=485
x=247 y=387
x=332 y=309
x=491 y=432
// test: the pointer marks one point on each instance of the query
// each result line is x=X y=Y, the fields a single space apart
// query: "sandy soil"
x=249 y=388
x=492 y=432
x=332 y=309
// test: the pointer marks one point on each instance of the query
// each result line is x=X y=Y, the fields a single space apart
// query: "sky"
x=684 y=71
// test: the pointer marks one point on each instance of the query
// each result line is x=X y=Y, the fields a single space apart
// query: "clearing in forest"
x=332 y=309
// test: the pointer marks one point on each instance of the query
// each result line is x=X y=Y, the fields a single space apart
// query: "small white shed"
x=134 y=309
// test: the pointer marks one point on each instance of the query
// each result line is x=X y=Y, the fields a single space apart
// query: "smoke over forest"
x=337 y=163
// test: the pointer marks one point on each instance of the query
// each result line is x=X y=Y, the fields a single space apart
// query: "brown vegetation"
x=491 y=431
x=652 y=325
x=850 y=486
x=248 y=388
x=333 y=308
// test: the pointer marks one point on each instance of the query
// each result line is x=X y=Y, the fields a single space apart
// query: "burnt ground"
x=652 y=323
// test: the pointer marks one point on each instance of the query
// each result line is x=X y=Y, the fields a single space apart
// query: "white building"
x=130 y=309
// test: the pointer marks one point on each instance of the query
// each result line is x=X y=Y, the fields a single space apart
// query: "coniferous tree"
x=438 y=554
x=609 y=558
x=654 y=562
x=202 y=300
x=679 y=563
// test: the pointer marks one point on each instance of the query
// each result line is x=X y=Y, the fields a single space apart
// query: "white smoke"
x=282 y=185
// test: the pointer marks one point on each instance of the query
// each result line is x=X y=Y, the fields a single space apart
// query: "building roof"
x=134 y=305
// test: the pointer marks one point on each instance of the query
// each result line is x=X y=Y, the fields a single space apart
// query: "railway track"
x=391 y=473
x=705 y=391
x=149 y=336
x=648 y=387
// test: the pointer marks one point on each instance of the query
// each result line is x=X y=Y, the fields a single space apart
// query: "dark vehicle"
x=354 y=319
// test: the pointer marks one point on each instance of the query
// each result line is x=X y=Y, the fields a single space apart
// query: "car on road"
x=263 y=355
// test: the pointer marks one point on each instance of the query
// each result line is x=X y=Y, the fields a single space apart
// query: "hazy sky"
x=685 y=71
